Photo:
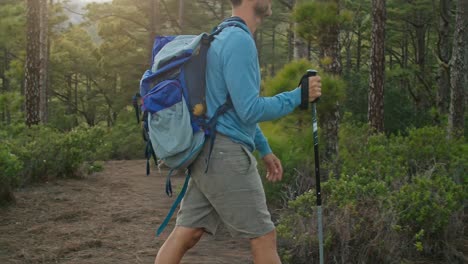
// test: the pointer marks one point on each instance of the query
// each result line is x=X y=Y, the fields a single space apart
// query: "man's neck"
x=249 y=17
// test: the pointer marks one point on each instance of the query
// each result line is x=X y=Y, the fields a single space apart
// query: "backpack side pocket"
x=169 y=123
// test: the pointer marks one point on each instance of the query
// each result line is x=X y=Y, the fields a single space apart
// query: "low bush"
x=398 y=198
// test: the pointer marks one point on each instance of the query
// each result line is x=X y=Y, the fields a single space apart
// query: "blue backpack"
x=174 y=105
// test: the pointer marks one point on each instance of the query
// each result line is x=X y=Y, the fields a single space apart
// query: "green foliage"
x=334 y=88
x=43 y=153
x=125 y=139
x=373 y=158
x=400 y=112
x=397 y=195
x=290 y=75
x=10 y=166
x=289 y=145
x=12 y=102
x=287 y=78
x=314 y=18
x=47 y=154
x=434 y=150
x=12 y=21
x=428 y=203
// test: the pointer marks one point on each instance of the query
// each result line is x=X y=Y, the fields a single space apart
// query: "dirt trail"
x=109 y=217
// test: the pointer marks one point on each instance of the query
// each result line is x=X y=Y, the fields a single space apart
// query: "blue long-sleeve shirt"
x=233 y=68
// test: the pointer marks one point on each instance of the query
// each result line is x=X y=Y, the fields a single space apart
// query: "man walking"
x=230 y=192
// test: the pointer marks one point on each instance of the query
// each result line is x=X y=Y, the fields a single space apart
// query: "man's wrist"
x=265 y=153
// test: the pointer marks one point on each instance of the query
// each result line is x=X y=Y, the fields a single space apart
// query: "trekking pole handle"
x=305 y=89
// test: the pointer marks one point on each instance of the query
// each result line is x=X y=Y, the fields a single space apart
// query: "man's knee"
x=196 y=236
x=191 y=236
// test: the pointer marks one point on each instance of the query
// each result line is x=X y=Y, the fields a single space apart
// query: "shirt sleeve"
x=242 y=76
x=261 y=143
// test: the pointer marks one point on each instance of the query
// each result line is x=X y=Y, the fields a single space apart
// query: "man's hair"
x=236 y=2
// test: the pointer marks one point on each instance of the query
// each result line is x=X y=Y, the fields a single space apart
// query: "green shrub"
x=37 y=147
x=42 y=153
x=428 y=148
x=79 y=146
x=371 y=157
x=125 y=140
x=398 y=196
x=10 y=167
x=47 y=153
x=296 y=155
x=428 y=203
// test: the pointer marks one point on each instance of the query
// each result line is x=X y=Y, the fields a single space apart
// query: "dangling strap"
x=148 y=156
x=149 y=152
x=168 y=183
x=155 y=159
x=212 y=126
x=175 y=204
x=136 y=106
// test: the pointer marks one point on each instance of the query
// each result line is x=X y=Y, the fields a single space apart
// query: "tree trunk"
x=153 y=20
x=32 y=69
x=456 y=121
x=300 y=47
x=69 y=94
x=90 y=105
x=259 y=44
x=421 y=46
x=359 y=50
x=404 y=81
x=443 y=48
x=291 y=42
x=289 y=4
x=273 y=51
x=223 y=9
x=181 y=14
x=75 y=95
x=377 y=67
x=6 y=116
x=348 y=64
x=466 y=75
x=330 y=48
x=44 y=59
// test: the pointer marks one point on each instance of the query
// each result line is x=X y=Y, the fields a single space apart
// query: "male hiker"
x=230 y=192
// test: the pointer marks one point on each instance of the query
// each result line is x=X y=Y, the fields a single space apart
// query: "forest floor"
x=107 y=217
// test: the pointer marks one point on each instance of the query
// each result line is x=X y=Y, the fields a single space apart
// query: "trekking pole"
x=305 y=106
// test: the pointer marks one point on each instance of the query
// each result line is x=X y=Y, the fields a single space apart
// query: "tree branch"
x=122 y=17
x=211 y=8
x=287 y=3
x=173 y=20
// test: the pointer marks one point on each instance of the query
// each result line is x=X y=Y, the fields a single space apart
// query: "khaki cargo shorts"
x=230 y=193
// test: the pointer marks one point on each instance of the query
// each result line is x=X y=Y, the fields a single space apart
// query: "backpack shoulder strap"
x=229 y=22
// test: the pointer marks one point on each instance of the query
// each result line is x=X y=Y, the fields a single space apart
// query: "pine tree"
x=44 y=58
x=443 y=50
x=377 y=67
x=32 y=68
x=458 y=72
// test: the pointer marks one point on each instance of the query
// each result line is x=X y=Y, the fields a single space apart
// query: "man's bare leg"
x=177 y=244
x=264 y=249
